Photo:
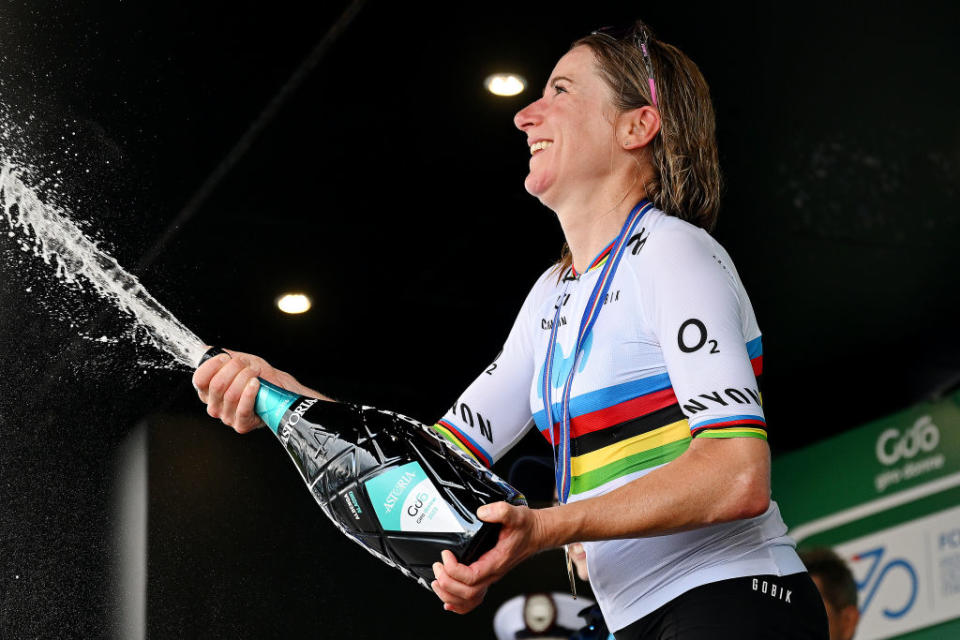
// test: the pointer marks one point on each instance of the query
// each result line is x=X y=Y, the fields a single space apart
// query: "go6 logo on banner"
x=892 y=445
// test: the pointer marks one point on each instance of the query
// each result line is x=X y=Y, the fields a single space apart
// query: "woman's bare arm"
x=715 y=480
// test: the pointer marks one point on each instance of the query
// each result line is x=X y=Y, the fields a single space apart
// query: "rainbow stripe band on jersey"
x=755 y=353
x=729 y=432
x=731 y=427
x=636 y=433
x=612 y=405
x=463 y=442
x=638 y=425
x=645 y=451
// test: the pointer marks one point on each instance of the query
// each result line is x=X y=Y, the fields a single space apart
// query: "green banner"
x=883 y=458
x=885 y=496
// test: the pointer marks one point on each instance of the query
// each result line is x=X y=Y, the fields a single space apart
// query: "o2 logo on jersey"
x=899 y=598
x=923 y=436
x=692 y=336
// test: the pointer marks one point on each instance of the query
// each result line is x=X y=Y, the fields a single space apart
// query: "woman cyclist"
x=637 y=358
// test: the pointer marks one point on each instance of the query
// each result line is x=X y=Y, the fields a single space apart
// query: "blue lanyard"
x=561 y=454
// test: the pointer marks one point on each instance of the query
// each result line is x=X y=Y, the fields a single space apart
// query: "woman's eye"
x=559 y=89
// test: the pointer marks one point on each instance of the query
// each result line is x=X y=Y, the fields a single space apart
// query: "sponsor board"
x=908 y=576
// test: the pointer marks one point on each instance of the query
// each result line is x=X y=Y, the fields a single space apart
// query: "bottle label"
x=405 y=499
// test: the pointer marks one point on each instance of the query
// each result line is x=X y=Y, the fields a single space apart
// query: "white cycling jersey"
x=674 y=354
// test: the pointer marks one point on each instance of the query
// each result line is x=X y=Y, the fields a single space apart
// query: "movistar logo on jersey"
x=562 y=364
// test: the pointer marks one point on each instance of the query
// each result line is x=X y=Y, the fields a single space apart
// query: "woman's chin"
x=537 y=185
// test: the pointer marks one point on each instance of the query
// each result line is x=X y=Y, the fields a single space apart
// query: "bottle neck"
x=272 y=403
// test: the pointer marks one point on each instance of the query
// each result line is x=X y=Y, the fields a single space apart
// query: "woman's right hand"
x=228 y=385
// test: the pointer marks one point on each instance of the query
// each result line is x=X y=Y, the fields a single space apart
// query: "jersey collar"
x=597 y=262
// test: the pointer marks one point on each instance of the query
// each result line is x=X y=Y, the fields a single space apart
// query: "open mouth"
x=536 y=147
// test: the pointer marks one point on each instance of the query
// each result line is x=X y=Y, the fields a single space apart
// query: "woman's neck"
x=591 y=223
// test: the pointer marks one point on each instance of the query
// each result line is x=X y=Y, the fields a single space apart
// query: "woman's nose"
x=528 y=116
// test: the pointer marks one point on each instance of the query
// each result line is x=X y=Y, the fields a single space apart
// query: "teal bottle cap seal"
x=272 y=403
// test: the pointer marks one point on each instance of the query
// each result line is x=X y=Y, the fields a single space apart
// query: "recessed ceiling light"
x=505 y=84
x=293 y=303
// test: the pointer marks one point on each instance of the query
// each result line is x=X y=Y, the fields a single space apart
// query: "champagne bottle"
x=388 y=482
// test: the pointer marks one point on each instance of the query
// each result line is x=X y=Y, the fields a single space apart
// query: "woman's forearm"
x=714 y=481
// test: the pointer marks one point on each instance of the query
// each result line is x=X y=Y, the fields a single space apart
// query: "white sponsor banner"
x=908 y=576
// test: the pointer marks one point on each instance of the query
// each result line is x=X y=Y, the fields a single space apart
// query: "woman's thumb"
x=495 y=512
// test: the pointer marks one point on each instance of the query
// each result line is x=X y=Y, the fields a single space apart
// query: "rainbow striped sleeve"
x=743 y=426
x=463 y=442
x=738 y=426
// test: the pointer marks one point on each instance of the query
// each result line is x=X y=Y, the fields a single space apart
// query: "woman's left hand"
x=462 y=587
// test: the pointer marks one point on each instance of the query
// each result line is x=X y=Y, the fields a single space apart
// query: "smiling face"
x=570 y=130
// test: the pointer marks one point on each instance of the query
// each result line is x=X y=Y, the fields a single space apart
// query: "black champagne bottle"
x=388 y=482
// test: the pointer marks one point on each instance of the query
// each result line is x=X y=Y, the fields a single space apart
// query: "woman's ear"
x=638 y=127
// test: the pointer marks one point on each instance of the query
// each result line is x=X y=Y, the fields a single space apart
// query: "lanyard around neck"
x=561 y=454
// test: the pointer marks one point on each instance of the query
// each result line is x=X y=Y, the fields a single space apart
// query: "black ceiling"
x=388 y=184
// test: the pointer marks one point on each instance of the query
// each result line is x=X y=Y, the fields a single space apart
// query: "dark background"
x=389 y=185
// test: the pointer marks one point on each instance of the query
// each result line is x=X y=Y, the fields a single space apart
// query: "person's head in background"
x=837 y=588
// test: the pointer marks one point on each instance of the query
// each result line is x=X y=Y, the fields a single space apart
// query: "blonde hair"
x=686 y=179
